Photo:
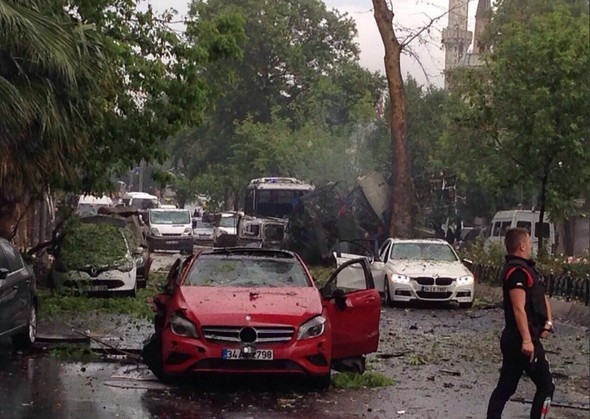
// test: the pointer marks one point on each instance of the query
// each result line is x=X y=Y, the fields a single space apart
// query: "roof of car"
x=250 y=251
x=168 y=210
x=436 y=241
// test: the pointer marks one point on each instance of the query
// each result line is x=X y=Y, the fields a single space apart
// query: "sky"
x=409 y=14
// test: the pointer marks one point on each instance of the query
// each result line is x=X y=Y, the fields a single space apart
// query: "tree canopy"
x=522 y=119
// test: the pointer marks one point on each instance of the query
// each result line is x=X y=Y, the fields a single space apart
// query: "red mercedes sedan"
x=258 y=311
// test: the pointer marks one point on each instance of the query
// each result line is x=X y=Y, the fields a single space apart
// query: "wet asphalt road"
x=444 y=362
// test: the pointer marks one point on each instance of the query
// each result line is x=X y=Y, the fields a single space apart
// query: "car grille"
x=248 y=365
x=171 y=235
x=444 y=281
x=108 y=283
x=426 y=280
x=240 y=334
x=434 y=295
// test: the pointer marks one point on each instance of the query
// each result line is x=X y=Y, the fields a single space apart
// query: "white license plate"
x=260 y=354
x=96 y=288
x=172 y=242
x=434 y=289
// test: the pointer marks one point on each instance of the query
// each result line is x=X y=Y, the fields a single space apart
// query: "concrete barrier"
x=571 y=311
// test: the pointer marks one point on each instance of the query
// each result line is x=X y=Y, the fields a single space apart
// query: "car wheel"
x=321 y=382
x=26 y=339
x=388 y=300
x=466 y=305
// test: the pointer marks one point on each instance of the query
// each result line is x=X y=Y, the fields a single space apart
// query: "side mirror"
x=4 y=273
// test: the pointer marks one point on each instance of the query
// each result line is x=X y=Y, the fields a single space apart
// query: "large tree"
x=299 y=73
x=529 y=105
x=50 y=66
x=85 y=101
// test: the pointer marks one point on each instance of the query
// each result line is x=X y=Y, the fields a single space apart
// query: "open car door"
x=353 y=307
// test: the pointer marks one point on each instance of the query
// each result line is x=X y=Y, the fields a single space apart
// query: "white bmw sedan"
x=425 y=270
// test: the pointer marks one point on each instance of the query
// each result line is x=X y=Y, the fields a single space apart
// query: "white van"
x=170 y=229
x=140 y=200
x=504 y=220
x=89 y=204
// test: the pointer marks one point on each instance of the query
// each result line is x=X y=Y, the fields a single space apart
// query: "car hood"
x=230 y=305
x=426 y=268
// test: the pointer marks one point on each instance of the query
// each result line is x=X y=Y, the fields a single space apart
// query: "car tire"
x=388 y=301
x=466 y=305
x=26 y=339
x=321 y=382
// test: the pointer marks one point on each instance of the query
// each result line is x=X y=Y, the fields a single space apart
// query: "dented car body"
x=258 y=311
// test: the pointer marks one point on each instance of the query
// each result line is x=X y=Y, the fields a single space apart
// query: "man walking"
x=528 y=318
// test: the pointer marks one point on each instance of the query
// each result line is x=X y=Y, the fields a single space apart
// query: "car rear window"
x=241 y=271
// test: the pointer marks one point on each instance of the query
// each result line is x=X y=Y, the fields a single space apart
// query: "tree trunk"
x=401 y=222
x=541 y=214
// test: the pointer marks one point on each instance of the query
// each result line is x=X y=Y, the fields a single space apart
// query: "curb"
x=570 y=311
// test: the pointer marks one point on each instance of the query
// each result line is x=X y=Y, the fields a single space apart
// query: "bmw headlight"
x=312 y=328
x=181 y=326
x=126 y=265
x=155 y=232
x=400 y=279
x=468 y=279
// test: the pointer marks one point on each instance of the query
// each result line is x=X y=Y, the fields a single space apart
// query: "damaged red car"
x=258 y=311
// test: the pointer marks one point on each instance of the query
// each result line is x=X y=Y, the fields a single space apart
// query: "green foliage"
x=53 y=304
x=523 y=117
x=355 y=380
x=321 y=274
x=490 y=255
x=73 y=352
x=92 y=245
x=51 y=65
x=293 y=103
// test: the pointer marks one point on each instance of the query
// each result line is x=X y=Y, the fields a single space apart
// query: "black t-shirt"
x=534 y=300
x=517 y=279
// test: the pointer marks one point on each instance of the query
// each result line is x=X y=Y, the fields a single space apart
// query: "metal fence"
x=566 y=285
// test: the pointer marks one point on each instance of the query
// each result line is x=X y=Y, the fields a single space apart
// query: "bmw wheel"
x=388 y=300
x=26 y=339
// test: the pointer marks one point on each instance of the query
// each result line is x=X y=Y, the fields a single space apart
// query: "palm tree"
x=49 y=69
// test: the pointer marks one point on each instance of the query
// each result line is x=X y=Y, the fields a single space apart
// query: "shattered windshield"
x=255 y=272
x=438 y=252
x=170 y=217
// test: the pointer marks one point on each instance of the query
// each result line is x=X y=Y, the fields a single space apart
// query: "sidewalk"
x=571 y=311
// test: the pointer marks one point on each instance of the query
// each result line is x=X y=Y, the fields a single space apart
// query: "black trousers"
x=513 y=365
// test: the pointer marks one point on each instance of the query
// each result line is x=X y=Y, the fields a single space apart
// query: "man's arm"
x=548 y=328
x=518 y=300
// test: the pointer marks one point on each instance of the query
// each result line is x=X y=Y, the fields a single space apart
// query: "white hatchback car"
x=424 y=270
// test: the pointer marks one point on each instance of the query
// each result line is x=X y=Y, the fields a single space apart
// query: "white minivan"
x=504 y=220
x=170 y=229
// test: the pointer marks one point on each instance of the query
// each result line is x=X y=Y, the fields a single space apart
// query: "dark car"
x=18 y=302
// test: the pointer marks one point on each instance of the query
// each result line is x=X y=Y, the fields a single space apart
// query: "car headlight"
x=312 y=328
x=187 y=231
x=465 y=280
x=181 y=326
x=155 y=232
x=125 y=266
x=400 y=279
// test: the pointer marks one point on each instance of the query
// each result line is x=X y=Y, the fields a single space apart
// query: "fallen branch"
x=135 y=357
